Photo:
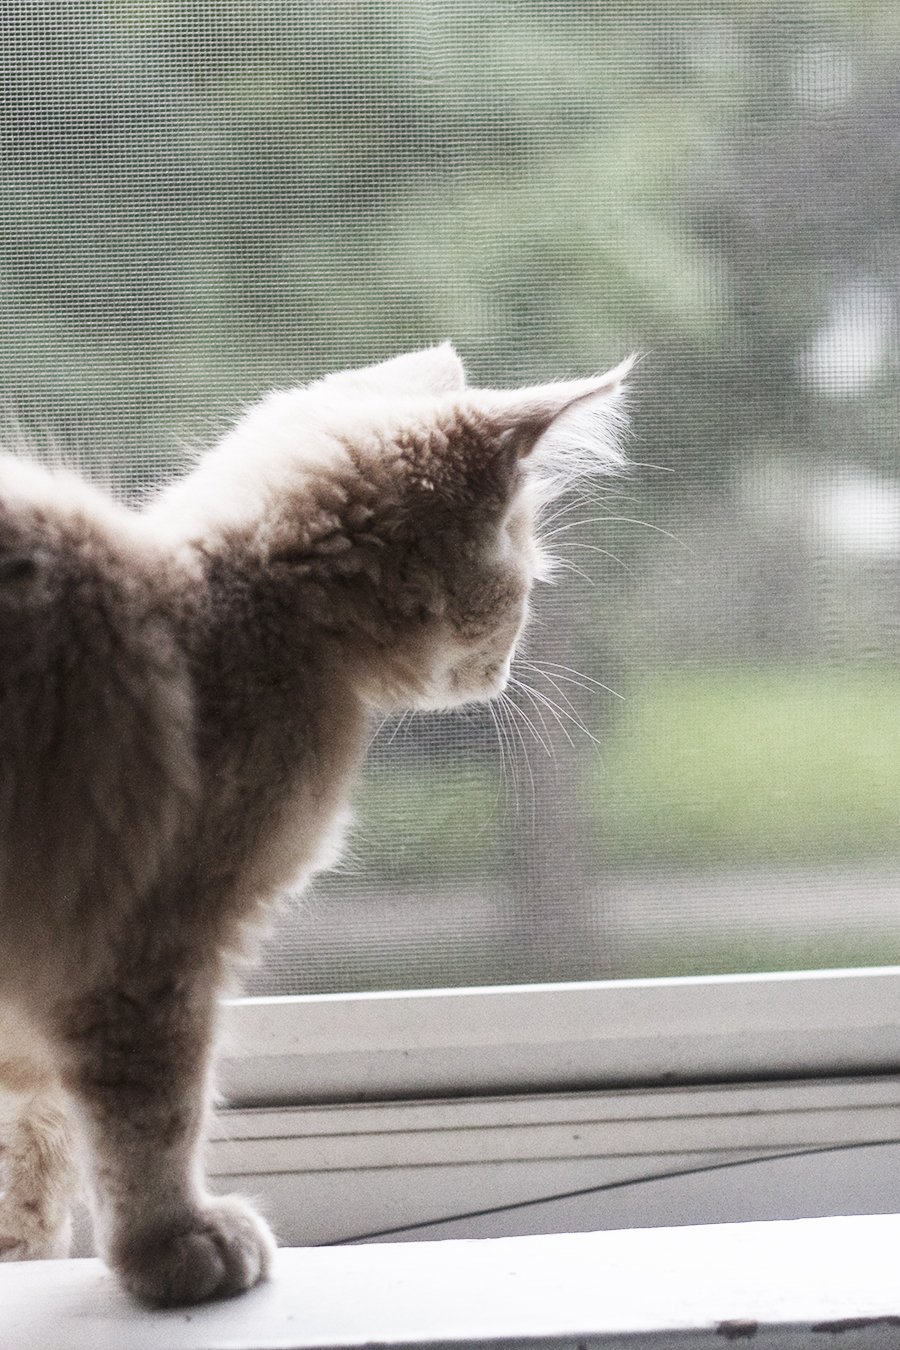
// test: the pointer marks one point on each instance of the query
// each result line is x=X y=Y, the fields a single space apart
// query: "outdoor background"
x=200 y=200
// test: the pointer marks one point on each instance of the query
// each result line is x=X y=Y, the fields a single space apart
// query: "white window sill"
x=783 y=1284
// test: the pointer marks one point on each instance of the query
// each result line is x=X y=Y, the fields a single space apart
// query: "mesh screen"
x=204 y=198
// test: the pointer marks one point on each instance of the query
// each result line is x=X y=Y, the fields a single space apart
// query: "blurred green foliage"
x=741 y=767
x=200 y=198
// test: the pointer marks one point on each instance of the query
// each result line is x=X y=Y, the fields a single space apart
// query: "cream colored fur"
x=185 y=694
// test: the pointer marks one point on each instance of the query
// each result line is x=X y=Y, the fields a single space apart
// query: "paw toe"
x=227 y=1251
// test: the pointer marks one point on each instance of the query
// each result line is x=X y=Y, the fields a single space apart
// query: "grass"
x=741 y=767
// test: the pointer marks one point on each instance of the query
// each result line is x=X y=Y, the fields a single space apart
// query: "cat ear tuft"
x=435 y=370
x=567 y=426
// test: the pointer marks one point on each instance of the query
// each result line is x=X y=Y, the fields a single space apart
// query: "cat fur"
x=186 y=692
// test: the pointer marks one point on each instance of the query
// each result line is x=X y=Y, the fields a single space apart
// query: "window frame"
x=320 y=1048
x=397 y=1112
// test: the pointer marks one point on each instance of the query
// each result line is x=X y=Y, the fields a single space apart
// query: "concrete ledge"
x=807 y=1282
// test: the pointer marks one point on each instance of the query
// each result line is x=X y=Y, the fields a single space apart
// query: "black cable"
x=606 y=1186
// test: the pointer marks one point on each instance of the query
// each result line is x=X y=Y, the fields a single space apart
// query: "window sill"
x=784 y=1284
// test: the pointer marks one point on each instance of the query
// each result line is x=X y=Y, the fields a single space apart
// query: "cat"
x=185 y=699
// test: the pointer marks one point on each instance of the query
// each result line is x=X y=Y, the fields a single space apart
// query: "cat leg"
x=40 y=1179
x=136 y=1067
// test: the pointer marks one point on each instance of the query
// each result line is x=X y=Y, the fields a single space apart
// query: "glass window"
x=697 y=768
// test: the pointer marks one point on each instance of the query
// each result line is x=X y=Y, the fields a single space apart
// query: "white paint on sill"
x=786 y=1284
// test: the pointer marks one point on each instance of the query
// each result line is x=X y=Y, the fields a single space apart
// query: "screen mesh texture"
x=201 y=200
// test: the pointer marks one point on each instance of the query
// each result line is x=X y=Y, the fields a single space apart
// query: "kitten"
x=184 y=700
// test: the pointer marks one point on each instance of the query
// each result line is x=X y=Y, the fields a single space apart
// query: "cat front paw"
x=226 y=1250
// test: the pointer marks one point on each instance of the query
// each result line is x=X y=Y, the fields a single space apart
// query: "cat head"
x=403 y=507
x=448 y=484
x=463 y=475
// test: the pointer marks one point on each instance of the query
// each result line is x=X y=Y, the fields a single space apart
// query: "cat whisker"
x=404 y=719
x=582 y=499
x=552 y=680
x=377 y=732
x=510 y=709
x=536 y=697
x=558 y=711
x=588 y=680
x=645 y=464
x=504 y=778
x=517 y=711
x=500 y=744
x=386 y=721
x=657 y=529
x=506 y=752
x=540 y=716
x=561 y=692
x=566 y=565
x=595 y=548
x=570 y=525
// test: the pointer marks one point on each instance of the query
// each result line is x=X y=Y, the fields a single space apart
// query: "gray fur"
x=184 y=701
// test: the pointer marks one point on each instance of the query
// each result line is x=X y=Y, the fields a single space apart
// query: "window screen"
x=699 y=768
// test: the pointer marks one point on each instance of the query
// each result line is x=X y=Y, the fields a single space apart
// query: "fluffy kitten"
x=184 y=699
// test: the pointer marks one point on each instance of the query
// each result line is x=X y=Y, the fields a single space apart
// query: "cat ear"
x=555 y=420
x=436 y=370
